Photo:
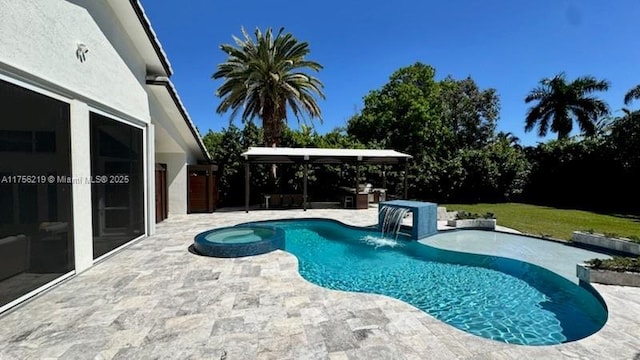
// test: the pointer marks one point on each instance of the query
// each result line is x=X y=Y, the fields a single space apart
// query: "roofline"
x=146 y=25
x=164 y=81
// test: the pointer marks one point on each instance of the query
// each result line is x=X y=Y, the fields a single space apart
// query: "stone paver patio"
x=154 y=300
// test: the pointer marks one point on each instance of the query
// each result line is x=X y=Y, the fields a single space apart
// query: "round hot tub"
x=239 y=241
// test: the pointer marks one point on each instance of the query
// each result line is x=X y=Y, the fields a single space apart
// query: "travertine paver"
x=154 y=299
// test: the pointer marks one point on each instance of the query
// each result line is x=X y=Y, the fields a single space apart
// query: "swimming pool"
x=493 y=297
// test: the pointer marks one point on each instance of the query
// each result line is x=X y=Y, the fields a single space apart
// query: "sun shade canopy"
x=284 y=155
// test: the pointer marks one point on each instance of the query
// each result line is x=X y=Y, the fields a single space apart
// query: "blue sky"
x=506 y=45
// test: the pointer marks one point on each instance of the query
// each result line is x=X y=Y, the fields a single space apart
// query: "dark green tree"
x=469 y=112
x=434 y=121
x=625 y=140
x=559 y=104
x=212 y=141
x=508 y=138
x=265 y=77
x=404 y=114
x=225 y=148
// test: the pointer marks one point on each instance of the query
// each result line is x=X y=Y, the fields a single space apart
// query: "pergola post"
x=357 y=178
x=384 y=176
x=406 y=174
x=246 y=186
x=304 y=187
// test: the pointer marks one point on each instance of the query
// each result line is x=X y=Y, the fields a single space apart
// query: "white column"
x=151 y=181
x=81 y=192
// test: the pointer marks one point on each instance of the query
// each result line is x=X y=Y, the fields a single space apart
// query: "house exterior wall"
x=176 y=180
x=172 y=150
x=38 y=44
x=40 y=38
x=38 y=52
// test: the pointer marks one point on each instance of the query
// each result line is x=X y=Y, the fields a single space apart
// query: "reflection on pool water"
x=238 y=235
x=493 y=297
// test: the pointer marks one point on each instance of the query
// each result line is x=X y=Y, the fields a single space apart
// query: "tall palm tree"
x=631 y=95
x=561 y=103
x=264 y=77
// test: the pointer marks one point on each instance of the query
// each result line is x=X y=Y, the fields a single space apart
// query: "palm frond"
x=589 y=84
x=544 y=124
x=537 y=94
x=633 y=94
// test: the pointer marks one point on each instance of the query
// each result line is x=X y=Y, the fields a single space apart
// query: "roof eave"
x=166 y=83
x=135 y=23
x=146 y=26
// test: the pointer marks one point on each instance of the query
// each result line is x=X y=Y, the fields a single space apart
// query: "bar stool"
x=348 y=201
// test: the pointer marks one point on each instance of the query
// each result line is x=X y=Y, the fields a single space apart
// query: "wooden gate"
x=202 y=188
x=162 y=210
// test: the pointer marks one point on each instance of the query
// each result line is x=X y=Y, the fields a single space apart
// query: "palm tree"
x=509 y=138
x=264 y=77
x=561 y=103
x=631 y=95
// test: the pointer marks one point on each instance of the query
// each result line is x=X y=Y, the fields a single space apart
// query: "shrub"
x=620 y=264
x=464 y=215
x=612 y=235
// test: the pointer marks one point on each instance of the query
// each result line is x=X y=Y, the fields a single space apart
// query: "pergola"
x=320 y=156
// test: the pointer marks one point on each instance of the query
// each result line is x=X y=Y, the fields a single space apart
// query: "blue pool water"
x=493 y=297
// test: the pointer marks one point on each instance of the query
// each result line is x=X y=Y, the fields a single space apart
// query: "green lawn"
x=548 y=221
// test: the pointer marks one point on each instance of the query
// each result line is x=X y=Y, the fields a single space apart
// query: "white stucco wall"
x=176 y=181
x=81 y=169
x=39 y=38
x=172 y=141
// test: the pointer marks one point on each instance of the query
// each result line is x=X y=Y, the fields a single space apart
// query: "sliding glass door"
x=36 y=231
x=117 y=189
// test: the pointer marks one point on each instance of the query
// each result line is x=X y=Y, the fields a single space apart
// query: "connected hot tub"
x=238 y=241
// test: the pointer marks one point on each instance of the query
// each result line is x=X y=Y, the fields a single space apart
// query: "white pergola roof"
x=284 y=155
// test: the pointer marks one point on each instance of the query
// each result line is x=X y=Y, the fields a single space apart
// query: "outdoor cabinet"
x=362 y=200
x=202 y=188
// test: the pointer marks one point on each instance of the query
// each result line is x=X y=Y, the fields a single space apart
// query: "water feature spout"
x=424 y=223
x=392 y=220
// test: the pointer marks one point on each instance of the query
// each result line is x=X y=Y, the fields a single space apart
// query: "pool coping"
x=569 y=269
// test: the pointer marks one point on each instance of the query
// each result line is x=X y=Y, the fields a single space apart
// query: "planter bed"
x=598 y=240
x=609 y=277
x=473 y=224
